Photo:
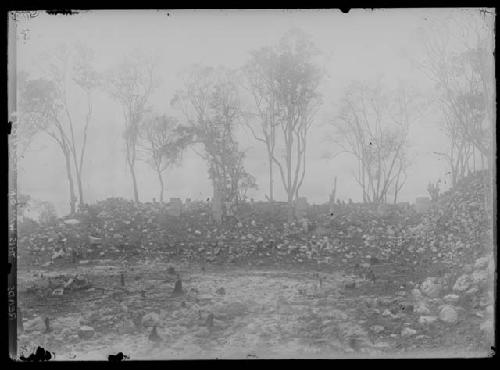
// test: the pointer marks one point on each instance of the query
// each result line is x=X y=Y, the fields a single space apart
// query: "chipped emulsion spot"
x=118 y=357
x=40 y=355
x=62 y=12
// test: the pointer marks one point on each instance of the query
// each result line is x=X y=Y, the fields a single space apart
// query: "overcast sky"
x=360 y=45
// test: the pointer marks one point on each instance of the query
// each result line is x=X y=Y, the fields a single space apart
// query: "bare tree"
x=72 y=67
x=459 y=60
x=131 y=83
x=401 y=176
x=373 y=126
x=285 y=85
x=211 y=106
x=161 y=144
x=261 y=72
x=30 y=113
x=39 y=110
x=433 y=190
x=48 y=105
x=333 y=194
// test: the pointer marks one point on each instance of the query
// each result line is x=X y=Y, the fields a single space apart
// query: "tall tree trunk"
x=291 y=191
x=72 y=197
x=291 y=210
x=217 y=202
x=80 y=187
x=78 y=167
x=134 y=181
x=396 y=193
x=160 y=179
x=474 y=158
x=363 y=180
x=271 y=196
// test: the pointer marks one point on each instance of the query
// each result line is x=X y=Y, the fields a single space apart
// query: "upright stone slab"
x=301 y=207
x=174 y=207
x=422 y=204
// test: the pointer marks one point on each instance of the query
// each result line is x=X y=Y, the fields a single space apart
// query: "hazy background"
x=361 y=45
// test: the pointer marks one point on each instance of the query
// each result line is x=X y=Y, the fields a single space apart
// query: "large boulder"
x=448 y=314
x=150 y=319
x=421 y=308
x=462 y=283
x=408 y=332
x=482 y=262
x=479 y=276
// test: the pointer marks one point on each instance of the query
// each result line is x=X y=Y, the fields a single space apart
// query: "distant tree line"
x=275 y=95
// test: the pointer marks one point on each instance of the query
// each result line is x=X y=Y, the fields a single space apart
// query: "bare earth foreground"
x=258 y=313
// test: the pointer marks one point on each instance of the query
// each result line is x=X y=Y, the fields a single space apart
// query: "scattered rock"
x=482 y=262
x=451 y=298
x=421 y=308
x=427 y=319
x=407 y=307
x=468 y=268
x=71 y=222
x=58 y=292
x=417 y=294
x=431 y=287
x=479 y=276
x=382 y=345
x=408 y=332
x=350 y=285
x=377 y=328
x=66 y=333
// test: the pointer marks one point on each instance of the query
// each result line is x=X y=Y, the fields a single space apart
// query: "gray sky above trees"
x=360 y=45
